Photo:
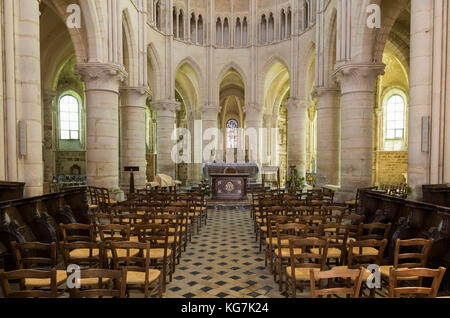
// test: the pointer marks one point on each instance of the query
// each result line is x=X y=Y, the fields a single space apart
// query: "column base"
x=117 y=194
x=343 y=196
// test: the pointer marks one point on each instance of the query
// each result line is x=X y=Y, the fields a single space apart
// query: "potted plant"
x=299 y=181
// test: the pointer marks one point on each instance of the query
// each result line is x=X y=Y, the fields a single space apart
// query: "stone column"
x=357 y=102
x=253 y=120
x=296 y=121
x=165 y=127
x=133 y=104
x=48 y=98
x=420 y=92
x=328 y=136
x=28 y=94
x=209 y=120
x=102 y=122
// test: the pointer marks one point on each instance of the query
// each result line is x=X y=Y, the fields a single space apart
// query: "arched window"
x=289 y=24
x=244 y=32
x=226 y=33
x=181 y=25
x=175 y=23
x=193 y=29
x=263 y=29
x=306 y=14
x=237 y=38
x=219 y=32
x=283 y=25
x=395 y=117
x=394 y=122
x=232 y=133
x=69 y=117
x=158 y=15
x=200 y=30
x=271 y=28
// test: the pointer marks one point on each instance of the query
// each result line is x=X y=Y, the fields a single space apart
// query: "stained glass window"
x=69 y=118
x=395 y=118
x=232 y=133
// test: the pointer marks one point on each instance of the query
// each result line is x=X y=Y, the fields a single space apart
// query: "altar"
x=251 y=169
x=229 y=186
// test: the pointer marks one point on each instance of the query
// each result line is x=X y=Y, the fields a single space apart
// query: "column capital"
x=358 y=77
x=165 y=107
x=48 y=95
x=252 y=109
x=134 y=96
x=210 y=111
x=101 y=76
x=295 y=104
x=322 y=91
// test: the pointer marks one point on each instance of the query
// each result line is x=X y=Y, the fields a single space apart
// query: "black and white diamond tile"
x=222 y=261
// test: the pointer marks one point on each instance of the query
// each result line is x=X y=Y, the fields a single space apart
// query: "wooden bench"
x=36 y=219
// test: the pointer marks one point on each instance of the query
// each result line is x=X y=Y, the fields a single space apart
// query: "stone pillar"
x=296 y=121
x=28 y=94
x=209 y=120
x=253 y=120
x=165 y=127
x=328 y=136
x=133 y=104
x=357 y=102
x=420 y=92
x=48 y=98
x=102 y=122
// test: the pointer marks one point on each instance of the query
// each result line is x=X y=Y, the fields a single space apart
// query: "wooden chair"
x=338 y=235
x=302 y=263
x=372 y=231
x=353 y=204
x=415 y=255
x=187 y=222
x=174 y=223
x=99 y=218
x=158 y=235
x=114 y=232
x=271 y=239
x=94 y=205
x=101 y=289
x=77 y=232
x=37 y=256
x=139 y=274
x=87 y=254
x=429 y=292
x=355 y=275
x=352 y=221
x=373 y=251
x=28 y=274
x=261 y=222
x=285 y=232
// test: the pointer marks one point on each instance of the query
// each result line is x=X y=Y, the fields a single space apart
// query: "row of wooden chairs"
x=100 y=199
x=131 y=270
x=405 y=273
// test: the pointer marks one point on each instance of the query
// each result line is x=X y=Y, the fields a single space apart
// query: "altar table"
x=229 y=186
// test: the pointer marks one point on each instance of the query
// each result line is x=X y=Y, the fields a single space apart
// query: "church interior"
x=224 y=149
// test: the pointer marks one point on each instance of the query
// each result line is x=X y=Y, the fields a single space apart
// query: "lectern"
x=131 y=170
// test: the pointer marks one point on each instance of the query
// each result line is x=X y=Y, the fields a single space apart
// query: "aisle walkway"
x=223 y=260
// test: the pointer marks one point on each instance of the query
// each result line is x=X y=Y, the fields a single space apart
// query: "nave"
x=162 y=243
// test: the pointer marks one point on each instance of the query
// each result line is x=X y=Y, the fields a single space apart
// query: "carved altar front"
x=231 y=186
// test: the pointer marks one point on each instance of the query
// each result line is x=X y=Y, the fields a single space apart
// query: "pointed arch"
x=224 y=71
x=130 y=51
x=154 y=69
x=197 y=78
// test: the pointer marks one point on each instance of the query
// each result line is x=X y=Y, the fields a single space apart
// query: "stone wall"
x=66 y=159
x=391 y=166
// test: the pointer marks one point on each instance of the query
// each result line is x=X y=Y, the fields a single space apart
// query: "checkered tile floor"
x=223 y=261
